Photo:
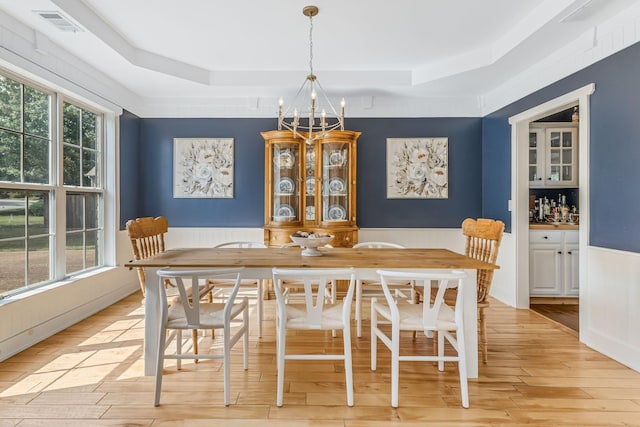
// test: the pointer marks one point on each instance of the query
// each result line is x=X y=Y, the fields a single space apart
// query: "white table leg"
x=471 y=322
x=151 y=320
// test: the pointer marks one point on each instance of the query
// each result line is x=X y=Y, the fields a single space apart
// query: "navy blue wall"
x=129 y=165
x=155 y=176
x=614 y=149
x=465 y=190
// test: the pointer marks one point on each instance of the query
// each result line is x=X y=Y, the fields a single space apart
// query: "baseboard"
x=554 y=300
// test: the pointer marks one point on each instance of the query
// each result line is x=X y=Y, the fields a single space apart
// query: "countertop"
x=552 y=226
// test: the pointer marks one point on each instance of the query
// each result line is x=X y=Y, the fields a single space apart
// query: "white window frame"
x=107 y=165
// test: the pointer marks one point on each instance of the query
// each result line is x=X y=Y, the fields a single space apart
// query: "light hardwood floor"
x=538 y=374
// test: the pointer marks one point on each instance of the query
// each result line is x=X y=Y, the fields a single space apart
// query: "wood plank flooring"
x=565 y=314
x=538 y=374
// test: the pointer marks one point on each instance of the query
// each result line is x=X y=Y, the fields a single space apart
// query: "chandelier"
x=311 y=112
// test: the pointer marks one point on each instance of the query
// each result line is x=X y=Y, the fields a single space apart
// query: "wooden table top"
x=387 y=258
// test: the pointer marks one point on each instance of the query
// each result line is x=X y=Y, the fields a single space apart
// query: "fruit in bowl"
x=311 y=241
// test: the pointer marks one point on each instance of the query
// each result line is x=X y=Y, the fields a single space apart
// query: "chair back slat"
x=315 y=283
x=432 y=283
x=191 y=306
x=483 y=237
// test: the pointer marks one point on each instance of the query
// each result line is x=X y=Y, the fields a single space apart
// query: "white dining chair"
x=371 y=288
x=429 y=317
x=194 y=314
x=252 y=288
x=313 y=314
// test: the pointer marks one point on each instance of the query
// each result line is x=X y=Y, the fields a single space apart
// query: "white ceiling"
x=364 y=50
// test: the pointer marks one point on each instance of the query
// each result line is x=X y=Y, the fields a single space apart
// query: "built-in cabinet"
x=553 y=155
x=553 y=263
x=310 y=186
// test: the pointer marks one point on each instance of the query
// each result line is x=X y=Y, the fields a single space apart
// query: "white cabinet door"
x=571 y=264
x=545 y=270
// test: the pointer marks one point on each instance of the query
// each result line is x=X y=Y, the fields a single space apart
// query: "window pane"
x=91 y=254
x=91 y=211
x=71 y=165
x=38 y=214
x=9 y=156
x=554 y=139
x=12 y=262
x=10 y=104
x=566 y=139
x=89 y=168
x=71 y=124
x=12 y=219
x=75 y=212
x=567 y=155
x=38 y=266
x=36 y=112
x=554 y=158
x=567 y=173
x=89 y=126
x=74 y=252
x=36 y=160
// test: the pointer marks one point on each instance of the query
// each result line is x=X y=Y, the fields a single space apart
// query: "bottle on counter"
x=547 y=207
x=564 y=209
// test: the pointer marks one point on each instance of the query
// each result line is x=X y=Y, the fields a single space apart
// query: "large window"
x=51 y=186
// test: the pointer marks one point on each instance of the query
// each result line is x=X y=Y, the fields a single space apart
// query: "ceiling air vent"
x=60 y=21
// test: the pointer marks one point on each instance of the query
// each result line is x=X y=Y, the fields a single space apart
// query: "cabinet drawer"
x=277 y=238
x=572 y=237
x=546 y=236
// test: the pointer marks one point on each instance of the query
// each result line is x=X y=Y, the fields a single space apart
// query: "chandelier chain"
x=311 y=44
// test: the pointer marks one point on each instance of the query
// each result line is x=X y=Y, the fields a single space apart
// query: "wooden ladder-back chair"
x=147 y=239
x=483 y=237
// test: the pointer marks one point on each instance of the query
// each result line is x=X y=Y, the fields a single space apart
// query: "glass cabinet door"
x=535 y=154
x=335 y=181
x=561 y=154
x=286 y=179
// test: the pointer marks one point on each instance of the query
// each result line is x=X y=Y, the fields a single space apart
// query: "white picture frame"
x=417 y=168
x=203 y=168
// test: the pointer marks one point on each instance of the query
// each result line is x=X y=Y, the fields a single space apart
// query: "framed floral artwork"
x=417 y=168
x=203 y=168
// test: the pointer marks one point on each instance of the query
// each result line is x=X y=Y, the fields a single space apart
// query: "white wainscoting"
x=610 y=305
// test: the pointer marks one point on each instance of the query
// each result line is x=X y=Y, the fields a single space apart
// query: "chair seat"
x=211 y=315
x=331 y=317
x=411 y=316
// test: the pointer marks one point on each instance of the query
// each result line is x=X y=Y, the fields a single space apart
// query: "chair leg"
x=374 y=338
x=358 y=308
x=440 y=351
x=179 y=348
x=259 y=303
x=281 y=334
x=159 y=367
x=194 y=337
x=482 y=332
x=395 y=365
x=348 y=365
x=245 y=340
x=227 y=363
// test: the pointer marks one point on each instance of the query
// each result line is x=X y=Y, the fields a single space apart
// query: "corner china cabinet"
x=310 y=187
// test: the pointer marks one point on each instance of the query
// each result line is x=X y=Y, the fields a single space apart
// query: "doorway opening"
x=520 y=186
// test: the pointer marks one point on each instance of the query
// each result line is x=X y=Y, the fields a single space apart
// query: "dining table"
x=258 y=263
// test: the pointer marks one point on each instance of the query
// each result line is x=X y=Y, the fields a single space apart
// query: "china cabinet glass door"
x=335 y=182
x=286 y=179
